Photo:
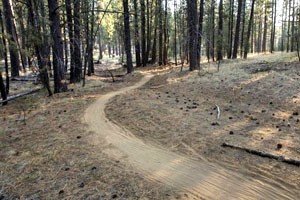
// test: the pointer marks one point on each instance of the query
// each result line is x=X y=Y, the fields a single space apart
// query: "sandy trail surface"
x=200 y=178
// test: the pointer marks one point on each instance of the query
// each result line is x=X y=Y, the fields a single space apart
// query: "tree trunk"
x=143 y=32
x=160 y=37
x=249 y=30
x=243 y=27
x=148 y=31
x=40 y=49
x=165 y=50
x=77 y=41
x=4 y=53
x=212 y=33
x=200 y=32
x=293 y=28
x=12 y=41
x=273 y=29
x=264 y=44
x=71 y=38
x=91 y=41
x=136 y=35
x=230 y=32
x=288 y=34
x=237 y=30
x=220 y=31
x=127 y=37
x=57 y=48
x=192 y=25
x=175 y=32
x=2 y=89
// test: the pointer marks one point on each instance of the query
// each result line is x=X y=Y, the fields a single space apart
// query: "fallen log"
x=19 y=95
x=264 y=154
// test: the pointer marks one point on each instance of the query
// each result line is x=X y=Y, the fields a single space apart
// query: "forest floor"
x=49 y=156
x=259 y=101
x=58 y=156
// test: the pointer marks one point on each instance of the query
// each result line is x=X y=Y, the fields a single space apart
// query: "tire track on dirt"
x=199 y=178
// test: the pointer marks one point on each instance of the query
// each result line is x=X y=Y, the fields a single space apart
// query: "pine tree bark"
x=77 y=41
x=60 y=84
x=127 y=40
x=243 y=27
x=289 y=25
x=192 y=26
x=136 y=35
x=160 y=37
x=249 y=30
x=2 y=89
x=230 y=28
x=293 y=28
x=12 y=41
x=220 y=32
x=143 y=32
x=237 y=30
x=4 y=53
x=264 y=43
x=200 y=32
x=148 y=31
x=71 y=38
x=165 y=51
x=40 y=48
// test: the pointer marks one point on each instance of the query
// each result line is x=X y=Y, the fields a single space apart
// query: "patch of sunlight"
x=264 y=131
x=255 y=79
x=282 y=114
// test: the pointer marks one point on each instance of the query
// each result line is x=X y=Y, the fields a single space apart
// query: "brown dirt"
x=50 y=157
x=259 y=101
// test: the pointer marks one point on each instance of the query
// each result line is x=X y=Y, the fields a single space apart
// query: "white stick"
x=219 y=112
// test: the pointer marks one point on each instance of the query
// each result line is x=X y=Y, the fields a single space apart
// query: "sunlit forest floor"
x=259 y=102
x=47 y=155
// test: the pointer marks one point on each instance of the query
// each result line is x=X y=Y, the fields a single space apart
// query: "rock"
x=279 y=146
x=81 y=185
x=78 y=137
x=61 y=192
x=215 y=124
x=231 y=132
x=295 y=113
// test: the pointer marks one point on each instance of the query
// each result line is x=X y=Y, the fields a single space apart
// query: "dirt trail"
x=201 y=179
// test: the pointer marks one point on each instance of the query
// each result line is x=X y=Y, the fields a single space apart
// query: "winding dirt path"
x=200 y=178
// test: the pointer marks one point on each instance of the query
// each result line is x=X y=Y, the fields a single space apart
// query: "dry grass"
x=257 y=98
x=49 y=158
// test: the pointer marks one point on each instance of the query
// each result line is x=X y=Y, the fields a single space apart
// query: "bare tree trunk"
x=71 y=38
x=230 y=32
x=77 y=42
x=143 y=32
x=264 y=44
x=237 y=30
x=136 y=35
x=200 y=32
x=192 y=25
x=57 y=48
x=243 y=27
x=4 y=53
x=148 y=32
x=160 y=45
x=127 y=37
x=165 y=50
x=12 y=41
x=40 y=49
x=220 y=32
x=249 y=30
x=293 y=28
x=289 y=24
x=175 y=32
x=2 y=89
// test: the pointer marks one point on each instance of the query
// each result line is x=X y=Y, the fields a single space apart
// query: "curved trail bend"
x=199 y=178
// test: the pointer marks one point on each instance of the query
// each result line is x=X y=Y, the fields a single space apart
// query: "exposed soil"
x=50 y=157
x=259 y=102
